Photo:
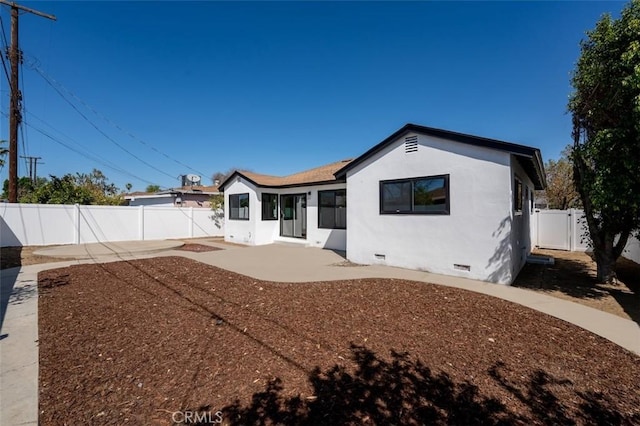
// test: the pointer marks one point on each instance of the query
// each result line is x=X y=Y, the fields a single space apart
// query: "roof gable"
x=529 y=157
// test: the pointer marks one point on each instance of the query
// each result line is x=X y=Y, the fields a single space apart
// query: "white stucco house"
x=423 y=198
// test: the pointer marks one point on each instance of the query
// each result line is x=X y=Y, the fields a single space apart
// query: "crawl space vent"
x=411 y=144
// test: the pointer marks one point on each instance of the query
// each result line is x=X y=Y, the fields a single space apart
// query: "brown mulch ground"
x=573 y=277
x=135 y=342
x=198 y=248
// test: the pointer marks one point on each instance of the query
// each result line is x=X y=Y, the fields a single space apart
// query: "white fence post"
x=190 y=222
x=141 y=223
x=77 y=223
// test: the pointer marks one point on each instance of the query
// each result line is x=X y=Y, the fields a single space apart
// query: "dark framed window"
x=269 y=206
x=332 y=209
x=517 y=195
x=421 y=195
x=239 y=206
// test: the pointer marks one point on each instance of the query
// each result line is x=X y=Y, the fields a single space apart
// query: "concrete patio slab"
x=93 y=250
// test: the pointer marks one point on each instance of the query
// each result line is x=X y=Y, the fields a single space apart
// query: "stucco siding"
x=241 y=231
x=258 y=232
x=476 y=233
x=521 y=233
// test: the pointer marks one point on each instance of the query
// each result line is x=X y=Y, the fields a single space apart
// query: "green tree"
x=81 y=188
x=153 y=188
x=605 y=106
x=128 y=186
x=25 y=187
x=561 y=192
x=96 y=182
x=64 y=190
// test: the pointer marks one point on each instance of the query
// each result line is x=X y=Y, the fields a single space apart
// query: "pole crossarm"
x=27 y=9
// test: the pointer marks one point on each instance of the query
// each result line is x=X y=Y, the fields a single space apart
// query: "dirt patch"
x=140 y=341
x=198 y=248
x=10 y=257
x=573 y=277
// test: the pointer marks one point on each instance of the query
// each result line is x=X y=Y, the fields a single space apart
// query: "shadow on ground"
x=628 y=273
x=10 y=257
x=405 y=391
x=573 y=274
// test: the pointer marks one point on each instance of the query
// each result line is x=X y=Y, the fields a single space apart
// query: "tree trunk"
x=606 y=263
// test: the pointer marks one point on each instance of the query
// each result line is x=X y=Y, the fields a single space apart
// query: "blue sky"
x=280 y=87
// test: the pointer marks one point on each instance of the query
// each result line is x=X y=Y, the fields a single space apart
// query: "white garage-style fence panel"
x=560 y=230
x=567 y=230
x=50 y=224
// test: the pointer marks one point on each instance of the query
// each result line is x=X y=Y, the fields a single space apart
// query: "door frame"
x=304 y=212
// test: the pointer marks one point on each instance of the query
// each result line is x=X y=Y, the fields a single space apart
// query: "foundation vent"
x=461 y=267
x=411 y=144
x=380 y=256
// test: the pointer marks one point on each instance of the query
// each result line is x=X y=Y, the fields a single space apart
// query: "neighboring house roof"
x=530 y=158
x=209 y=190
x=206 y=190
x=319 y=175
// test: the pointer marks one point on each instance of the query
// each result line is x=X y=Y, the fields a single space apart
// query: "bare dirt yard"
x=156 y=340
x=10 y=257
x=573 y=277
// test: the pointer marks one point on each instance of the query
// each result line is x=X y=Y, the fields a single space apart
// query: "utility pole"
x=33 y=167
x=15 y=116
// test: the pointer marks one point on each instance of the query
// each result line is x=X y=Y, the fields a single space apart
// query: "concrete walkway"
x=284 y=263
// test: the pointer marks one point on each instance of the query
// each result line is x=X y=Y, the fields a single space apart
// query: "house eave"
x=521 y=151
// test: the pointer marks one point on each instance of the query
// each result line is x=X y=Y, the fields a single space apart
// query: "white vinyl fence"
x=567 y=230
x=49 y=224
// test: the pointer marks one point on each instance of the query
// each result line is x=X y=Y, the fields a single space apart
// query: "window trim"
x=517 y=182
x=248 y=206
x=262 y=195
x=334 y=199
x=446 y=211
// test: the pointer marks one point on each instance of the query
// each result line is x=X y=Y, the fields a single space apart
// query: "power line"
x=105 y=162
x=98 y=129
x=86 y=155
x=5 y=46
x=39 y=70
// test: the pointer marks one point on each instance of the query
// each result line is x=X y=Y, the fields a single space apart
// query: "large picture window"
x=332 y=209
x=239 y=206
x=269 y=206
x=422 y=195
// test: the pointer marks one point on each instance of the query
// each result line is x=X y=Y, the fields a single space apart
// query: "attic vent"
x=411 y=144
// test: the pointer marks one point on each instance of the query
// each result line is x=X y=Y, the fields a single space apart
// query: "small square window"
x=239 y=206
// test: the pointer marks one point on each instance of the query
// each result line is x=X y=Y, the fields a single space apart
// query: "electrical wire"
x=95 y=157
x=110 y=139
x=86 y=155
x=109 y=121
x=5 y=47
